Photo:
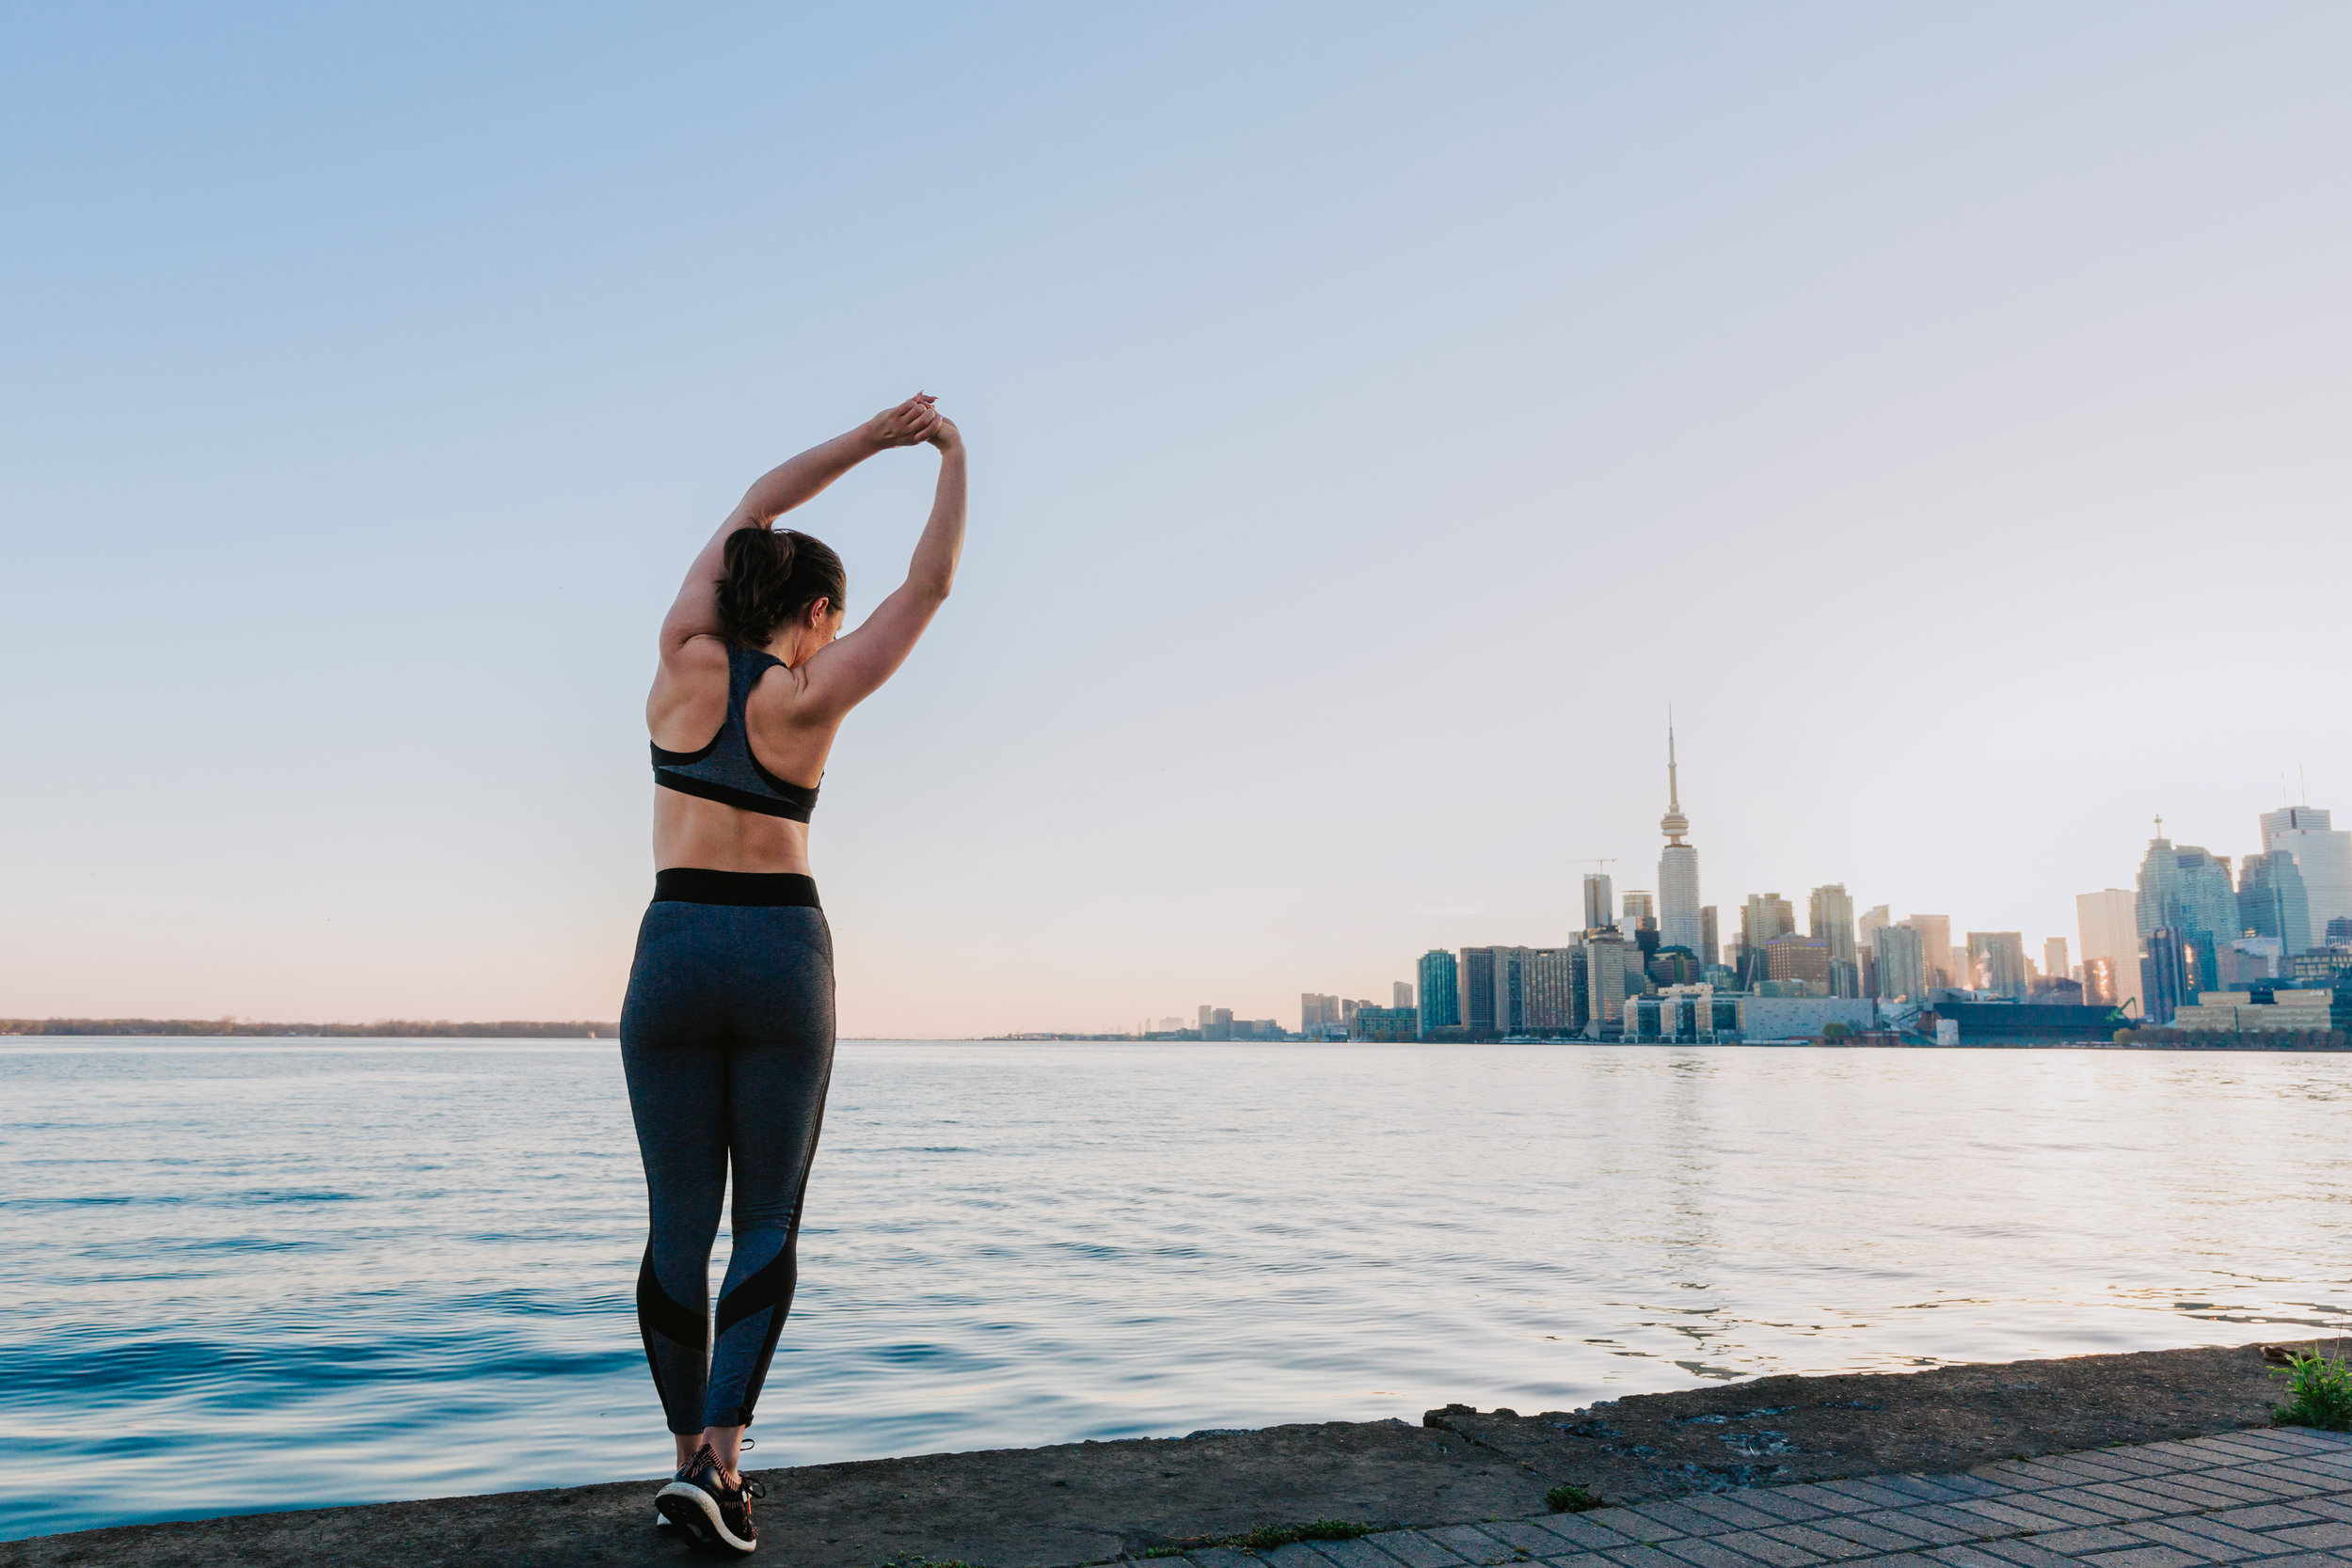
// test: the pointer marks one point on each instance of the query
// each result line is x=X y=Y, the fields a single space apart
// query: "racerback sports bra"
x=725 y=771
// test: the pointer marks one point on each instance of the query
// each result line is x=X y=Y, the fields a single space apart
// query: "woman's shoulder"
x=703 y=653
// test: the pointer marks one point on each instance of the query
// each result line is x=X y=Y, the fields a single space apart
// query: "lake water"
x=248 y=1274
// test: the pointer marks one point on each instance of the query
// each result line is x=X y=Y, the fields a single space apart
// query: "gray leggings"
x=727 y=1040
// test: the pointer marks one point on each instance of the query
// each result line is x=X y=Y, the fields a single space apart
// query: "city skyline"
x=1907 y=958
x=1868 y=375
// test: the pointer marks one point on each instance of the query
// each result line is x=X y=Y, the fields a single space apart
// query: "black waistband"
x=690 y=884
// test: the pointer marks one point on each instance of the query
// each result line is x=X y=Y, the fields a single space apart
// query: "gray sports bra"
x=725 y=771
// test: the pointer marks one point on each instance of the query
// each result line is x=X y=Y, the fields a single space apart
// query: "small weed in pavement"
x=1568 y=1498
x=2319 y=1393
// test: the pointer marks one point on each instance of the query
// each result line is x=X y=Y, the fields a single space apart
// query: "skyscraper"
x=1902 y=964
x=1935 y=947
x=1764 y=916
x=1678 y=865
x=2108 y=923
x=1555 y=990
x=1600 y=903
x=1829 y=919
x=2273 y=902
x=2322 y=854
x=1441 y=991
x=1998 y=963
x=1605 y=964
x=1866 y=928
x=2186 y=887
x=2054 y=964
x=1478 y=992
x=2170 y=975
x=2186 y=890
x=1400 y=994
x=1709 y=938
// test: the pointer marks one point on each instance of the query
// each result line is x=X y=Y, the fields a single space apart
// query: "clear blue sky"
x=1378 y=415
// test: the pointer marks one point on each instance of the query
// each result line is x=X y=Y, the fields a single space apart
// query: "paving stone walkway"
x=2281 y=1496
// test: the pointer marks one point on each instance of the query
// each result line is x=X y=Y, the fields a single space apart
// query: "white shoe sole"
x=692 y=1510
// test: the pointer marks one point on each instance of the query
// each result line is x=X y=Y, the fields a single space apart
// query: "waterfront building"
x=2107 y=922
x=1935 y=948
x=1710 y=942
x=2323 y=855
x=1866 y=928
x=1900 y=963
x=1677 y=867
x=1319 y=1015
x=1996 y=962
x=1681 y=1015
x=1641 y=910
x=1384 y=1023
x=2054 y=964
x=2272 y=900
x=1400 y=994
x=1554 y=986
x=2018 y=1022
x=1799 y=1018
x=2283 y=1008
x=1218 y=1024
x=1207 y=1013
x=2339 y=931
x=1441 y=991
x=1600 y=904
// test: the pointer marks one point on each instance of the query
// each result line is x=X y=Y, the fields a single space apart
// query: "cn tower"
x=1677 y=864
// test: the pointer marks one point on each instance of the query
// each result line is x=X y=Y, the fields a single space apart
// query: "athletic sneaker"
x=712 y=1513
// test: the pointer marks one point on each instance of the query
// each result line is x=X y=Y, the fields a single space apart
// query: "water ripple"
x=415 y=1262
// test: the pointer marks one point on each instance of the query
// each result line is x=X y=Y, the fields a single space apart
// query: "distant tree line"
x=387 y=1028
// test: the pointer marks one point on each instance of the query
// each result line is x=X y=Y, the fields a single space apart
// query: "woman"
x=726 y=1034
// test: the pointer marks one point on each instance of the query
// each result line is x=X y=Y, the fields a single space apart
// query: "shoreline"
x=1090 y=1502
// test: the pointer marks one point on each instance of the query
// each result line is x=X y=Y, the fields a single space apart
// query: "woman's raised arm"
x=695 y=612
x=847 y=671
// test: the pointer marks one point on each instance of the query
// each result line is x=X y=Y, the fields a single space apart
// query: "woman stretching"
x=726 y=1034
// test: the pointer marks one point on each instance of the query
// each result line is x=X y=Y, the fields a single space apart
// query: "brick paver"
x=2280 y=1497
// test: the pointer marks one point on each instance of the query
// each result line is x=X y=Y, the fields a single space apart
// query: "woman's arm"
x=847 y=671
x=695 y=612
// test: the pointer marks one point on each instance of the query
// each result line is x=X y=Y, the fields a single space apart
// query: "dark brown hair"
x=773 y=577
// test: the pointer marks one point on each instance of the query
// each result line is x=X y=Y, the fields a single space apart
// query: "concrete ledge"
x=1085 y=1502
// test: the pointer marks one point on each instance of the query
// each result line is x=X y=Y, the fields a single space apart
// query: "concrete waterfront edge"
x=1845 y=1447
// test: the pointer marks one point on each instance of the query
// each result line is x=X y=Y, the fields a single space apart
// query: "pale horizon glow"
x=1378 y=417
